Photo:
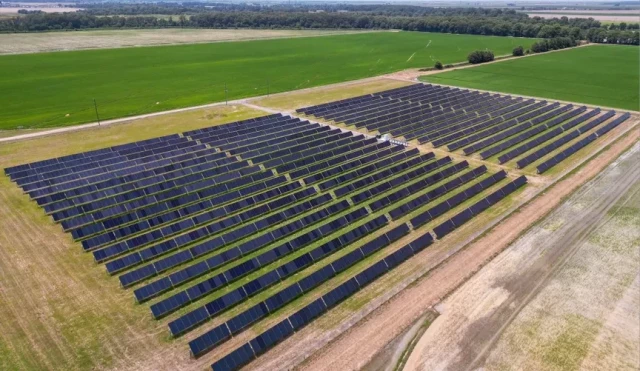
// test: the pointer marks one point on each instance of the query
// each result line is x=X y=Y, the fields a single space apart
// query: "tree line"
x=451 y=20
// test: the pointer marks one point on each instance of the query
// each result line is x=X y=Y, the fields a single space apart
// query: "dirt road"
x=559 y=281
x=357 y=346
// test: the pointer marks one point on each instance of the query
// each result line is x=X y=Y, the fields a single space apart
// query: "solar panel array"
x=470 y=121
x=199 y=222
x=304 y=316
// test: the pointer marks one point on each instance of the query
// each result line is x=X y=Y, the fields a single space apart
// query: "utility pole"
x=95 y=105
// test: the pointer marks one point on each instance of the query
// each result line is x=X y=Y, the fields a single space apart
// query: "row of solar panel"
x=462 y=130
x=375 y=111
x=426 y=106
x=95 y=211
x=126 y=226
x=226 y=131
x=304 y=316
x=63 y=181
x=434 y=122
x=155 y=172
x=535 y=129
x=412 y=112
x=374 y=114
x=236 y=324
x=356 y=101
x=448 y=123
x=475 y=114
x=487 y=128
x=78 y=158
x=176 y=192
x=474 y=139
x=123 y=172
x=368 y=110
x=345 y=102
x=216 y=307
x=63 y=186
x=209 y=286
x=341 y=174
x=166 y=200
x=313 y=164
x=236 y=124
x=275 y=134
x=199 y=250
x=562 y=140
x=112 y=267
x=203 y=206
x=253 y=244
x=437 y=192
x=412 y=160
x=92 y=168
x=303 y=135
x=165 y=235
x=212 y=221
x=520 y=126
x=165 y=169
x=553 y=161
x=523 y=104
x=457 y=199
x=411 y=126
x=548 y=135
x=281 y=139
x=475 y=209
x=311 y=152
x=391 y=183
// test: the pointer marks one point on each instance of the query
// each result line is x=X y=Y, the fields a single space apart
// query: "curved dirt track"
x=356 y=347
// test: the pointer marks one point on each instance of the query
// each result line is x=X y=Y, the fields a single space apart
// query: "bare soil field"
x=598 y=16
x=564 y=296
x=47 y=8
x=20 y=43
x=589 y=11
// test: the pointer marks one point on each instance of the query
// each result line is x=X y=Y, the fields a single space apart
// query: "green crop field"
x=57 y=89
x=606 y=75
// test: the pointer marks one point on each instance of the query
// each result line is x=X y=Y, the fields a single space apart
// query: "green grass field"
x=57 y=89
x=606 y=75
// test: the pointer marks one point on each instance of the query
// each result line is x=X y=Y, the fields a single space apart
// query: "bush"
x=518 y=51
x=448 y=66
x=480 y=56
x=438 y=65
x=527 y=52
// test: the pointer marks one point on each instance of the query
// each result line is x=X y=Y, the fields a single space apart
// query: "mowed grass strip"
x=602 y=75
x=57 y=89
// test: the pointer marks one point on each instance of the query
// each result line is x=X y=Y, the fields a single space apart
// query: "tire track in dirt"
x=481 y=337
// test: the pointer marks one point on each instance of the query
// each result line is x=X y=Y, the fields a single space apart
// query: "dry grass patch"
x=294 y=100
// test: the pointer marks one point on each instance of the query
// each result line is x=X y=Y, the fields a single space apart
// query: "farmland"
x=311 y=222
x=603 y=75
x=265 y=216
x=57 y=89
x=20 y=43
